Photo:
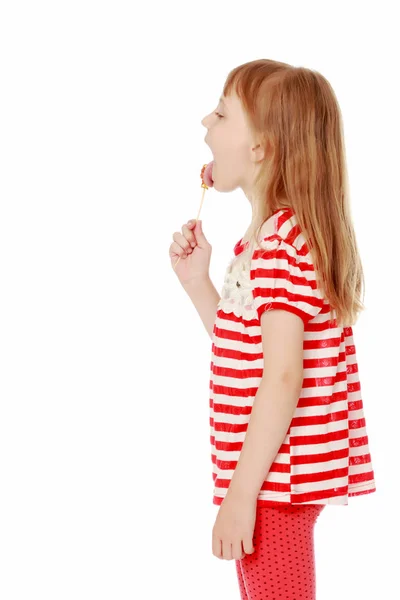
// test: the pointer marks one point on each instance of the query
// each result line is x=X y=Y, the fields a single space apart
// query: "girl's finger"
x=177 y=250
x=181 y=240
x=189 y=235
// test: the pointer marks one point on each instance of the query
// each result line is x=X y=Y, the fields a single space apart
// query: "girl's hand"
x=194 y=250
x=232 y=536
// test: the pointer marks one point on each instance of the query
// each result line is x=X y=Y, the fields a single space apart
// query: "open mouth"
x=207 y=176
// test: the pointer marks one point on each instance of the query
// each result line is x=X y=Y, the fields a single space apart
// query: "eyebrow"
x=222 y=100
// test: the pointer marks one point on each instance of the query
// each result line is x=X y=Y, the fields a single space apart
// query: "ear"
x=261 y=149
x=257 y=153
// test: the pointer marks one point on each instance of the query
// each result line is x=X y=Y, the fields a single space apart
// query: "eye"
x=219 y=116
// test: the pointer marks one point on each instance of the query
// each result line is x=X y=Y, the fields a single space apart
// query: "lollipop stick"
x=197 y=218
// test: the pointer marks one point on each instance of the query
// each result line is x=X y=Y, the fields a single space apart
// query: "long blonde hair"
x=294 y=113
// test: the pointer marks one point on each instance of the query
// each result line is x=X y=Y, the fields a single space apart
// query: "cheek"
x=238 y=159
x=233 y=151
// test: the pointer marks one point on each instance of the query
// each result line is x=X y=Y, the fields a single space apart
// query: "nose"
x=204 y=121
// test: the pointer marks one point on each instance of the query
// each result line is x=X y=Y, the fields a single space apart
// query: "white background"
x=105 y=458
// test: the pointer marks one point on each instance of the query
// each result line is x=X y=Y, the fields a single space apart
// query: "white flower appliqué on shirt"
x=237 y=290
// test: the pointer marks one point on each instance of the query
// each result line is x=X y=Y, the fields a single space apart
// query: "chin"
x=224 y=186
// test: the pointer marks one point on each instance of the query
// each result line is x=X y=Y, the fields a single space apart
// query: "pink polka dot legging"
x=282 y=566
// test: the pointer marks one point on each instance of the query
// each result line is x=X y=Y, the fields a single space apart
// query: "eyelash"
x=219 y=116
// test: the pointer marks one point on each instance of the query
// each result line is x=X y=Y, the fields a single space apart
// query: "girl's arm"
x=274 y=404
x=205 y=299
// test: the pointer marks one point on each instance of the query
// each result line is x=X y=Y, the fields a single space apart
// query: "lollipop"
x=207 y=182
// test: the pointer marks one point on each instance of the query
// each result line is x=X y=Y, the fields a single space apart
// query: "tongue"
x=207 y=175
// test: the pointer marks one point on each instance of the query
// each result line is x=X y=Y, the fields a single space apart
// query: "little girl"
x=288 y=431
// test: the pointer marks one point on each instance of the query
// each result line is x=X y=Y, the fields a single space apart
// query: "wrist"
x=241 y=490
x=241 y=496
x=197 y=283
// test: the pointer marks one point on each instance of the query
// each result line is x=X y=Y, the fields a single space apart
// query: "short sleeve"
x=282 y=279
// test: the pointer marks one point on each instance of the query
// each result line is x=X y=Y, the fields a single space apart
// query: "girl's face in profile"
x=233 y=147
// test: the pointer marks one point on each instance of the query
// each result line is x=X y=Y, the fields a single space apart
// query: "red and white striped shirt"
x=324 y=457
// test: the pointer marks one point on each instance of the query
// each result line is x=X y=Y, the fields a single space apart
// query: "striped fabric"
x=324 y=457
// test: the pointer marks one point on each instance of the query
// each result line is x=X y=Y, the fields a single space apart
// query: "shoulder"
x=283 y=228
